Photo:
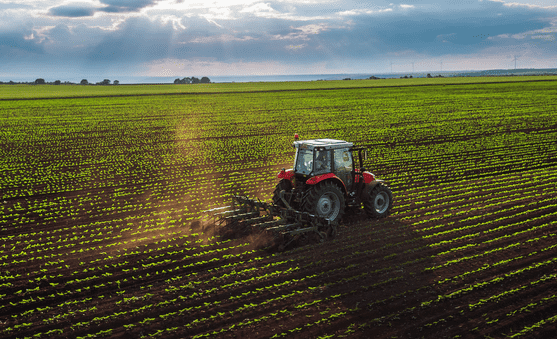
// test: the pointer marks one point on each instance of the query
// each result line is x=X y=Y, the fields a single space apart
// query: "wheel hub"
x=381 y=202
x=328 y=206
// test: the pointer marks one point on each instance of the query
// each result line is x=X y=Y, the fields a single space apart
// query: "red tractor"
x=314 y=195
x=325 y=180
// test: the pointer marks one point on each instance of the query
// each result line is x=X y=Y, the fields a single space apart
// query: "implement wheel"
x=379 y=203
x=325 y=200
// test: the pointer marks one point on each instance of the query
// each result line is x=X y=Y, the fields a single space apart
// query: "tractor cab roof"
x=322 y=144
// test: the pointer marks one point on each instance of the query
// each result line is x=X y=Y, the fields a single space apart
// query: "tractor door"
x=344 y=166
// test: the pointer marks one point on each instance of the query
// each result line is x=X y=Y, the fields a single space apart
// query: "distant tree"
x=84 y=82
x=185 y=80
x=57 y=82
x=116 y=82
x=194 y=80
x=205 y=80
x=39 y=81
x=429 y=75
x=105 y=82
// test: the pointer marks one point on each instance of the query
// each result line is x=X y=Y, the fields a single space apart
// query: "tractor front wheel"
x=325 y=200
x=379 y=202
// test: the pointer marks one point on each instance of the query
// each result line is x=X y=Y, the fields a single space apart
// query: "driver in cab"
x=322 y=162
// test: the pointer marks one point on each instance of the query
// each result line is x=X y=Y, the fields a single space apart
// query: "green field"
x=102 y=193
x=115 y=140
x=63 y=91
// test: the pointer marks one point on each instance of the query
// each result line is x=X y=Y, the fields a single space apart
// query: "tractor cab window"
x=322 y=162
x=343 y=165
x=311 y=162
x=304 y=161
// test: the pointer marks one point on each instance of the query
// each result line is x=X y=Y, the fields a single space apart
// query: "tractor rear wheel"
x=326 y=200
x=283 y=185
x=379 y=202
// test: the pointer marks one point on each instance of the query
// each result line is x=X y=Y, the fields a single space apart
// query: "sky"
x=97 y=39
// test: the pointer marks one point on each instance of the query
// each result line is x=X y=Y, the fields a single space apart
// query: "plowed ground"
x=403 y=276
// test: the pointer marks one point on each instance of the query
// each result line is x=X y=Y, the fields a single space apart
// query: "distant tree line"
x=192 y=80
x=41 y=81
x=105 y=82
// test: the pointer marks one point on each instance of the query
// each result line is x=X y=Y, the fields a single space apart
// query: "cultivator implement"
x=284 y=225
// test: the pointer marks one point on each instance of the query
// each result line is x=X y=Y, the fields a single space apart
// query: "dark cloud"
x=424 y=32
x=77 y=10
x=124 y=6
x=138 y=40
x=427 y=32
x=17 y=41
x=19 y=51
x=72 y=10
x=60 y=32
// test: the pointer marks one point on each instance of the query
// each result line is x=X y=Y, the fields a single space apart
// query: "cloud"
x=73 y=10
x=302 y=33
x=12 y=5
x=295 y=47
x=437 y=33
x=260 y=9
x=354 y=12
x=225 y=38
x=532 y=4
x=212 y=67
x=81 y=9
x=123 y=6
x=60 y=32
x=136 y=40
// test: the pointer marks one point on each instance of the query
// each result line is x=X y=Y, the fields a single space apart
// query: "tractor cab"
x=320 y=157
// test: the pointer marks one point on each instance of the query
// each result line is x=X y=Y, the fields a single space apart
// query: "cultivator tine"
x=281 y=228
x=285 y=225
x=217 y=209
x=303 y=230
x=257 y=220
x=237 y=217
x=269 y=224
